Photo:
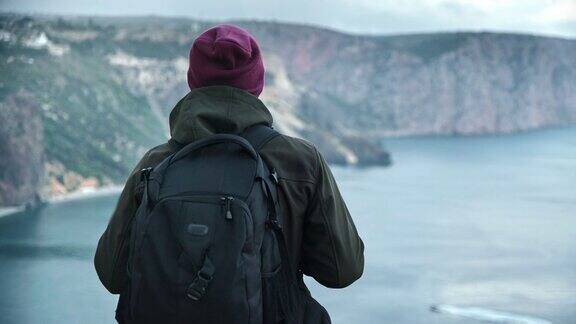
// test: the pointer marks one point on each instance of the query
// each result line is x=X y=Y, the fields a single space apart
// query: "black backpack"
x=206 y=244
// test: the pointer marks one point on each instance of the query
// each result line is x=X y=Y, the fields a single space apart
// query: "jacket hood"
x=216 y=109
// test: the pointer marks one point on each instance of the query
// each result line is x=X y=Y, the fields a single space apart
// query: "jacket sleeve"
x=332 y=251
x=112 y=252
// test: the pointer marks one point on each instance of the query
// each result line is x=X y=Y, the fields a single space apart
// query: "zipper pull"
x=227 y=201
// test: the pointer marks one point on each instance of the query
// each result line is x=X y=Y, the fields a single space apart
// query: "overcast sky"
x=550 y=17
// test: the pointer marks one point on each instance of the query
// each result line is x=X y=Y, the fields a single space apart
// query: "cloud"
x=360 y=16
x=557 y=12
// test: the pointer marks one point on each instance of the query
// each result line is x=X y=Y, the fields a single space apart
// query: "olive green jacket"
x=319 y=231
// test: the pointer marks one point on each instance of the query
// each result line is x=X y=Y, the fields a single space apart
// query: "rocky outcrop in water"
x=21 y=150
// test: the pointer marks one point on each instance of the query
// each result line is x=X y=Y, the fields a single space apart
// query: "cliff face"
x=21 y=149
x=459 y=83
x=103 y=88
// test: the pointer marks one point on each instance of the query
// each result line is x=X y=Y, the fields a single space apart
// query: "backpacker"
x=206 y=244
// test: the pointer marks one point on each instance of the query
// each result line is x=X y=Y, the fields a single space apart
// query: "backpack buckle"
x=197 y=289
x=145 y=173
x=274 y=176
x=273 y=224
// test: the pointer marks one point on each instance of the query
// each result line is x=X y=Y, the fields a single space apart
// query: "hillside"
x=458 y=83
x=100 y=90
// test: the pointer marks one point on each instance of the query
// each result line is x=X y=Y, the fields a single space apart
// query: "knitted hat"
x=226 y=55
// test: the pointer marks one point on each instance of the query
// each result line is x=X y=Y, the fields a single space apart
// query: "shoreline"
x=82 y=193
x=6 y=211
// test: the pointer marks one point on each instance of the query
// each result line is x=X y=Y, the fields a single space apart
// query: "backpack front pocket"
x=194 y=228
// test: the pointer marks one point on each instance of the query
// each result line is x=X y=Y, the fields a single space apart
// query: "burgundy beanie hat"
x=226 y=55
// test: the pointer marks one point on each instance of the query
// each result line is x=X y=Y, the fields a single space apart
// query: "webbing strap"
x=259 y=134
x=197 y=289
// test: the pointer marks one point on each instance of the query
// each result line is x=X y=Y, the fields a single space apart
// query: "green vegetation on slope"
x=93 y=124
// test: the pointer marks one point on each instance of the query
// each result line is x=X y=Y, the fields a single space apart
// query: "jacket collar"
x=216 y=109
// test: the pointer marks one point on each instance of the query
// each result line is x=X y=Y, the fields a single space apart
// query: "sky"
x=542 y=17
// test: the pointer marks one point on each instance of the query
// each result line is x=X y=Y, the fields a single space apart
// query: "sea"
x=457 y=230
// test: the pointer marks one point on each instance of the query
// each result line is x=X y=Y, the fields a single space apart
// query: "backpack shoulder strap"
x=258 y=135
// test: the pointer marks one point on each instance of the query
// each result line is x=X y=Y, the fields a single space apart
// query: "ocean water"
x=484 y=222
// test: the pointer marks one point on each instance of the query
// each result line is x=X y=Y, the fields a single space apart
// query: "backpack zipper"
x=226 y=201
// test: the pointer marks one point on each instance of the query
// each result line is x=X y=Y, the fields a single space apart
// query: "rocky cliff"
x=99 y=90
x=456 y=83
x=21 y=149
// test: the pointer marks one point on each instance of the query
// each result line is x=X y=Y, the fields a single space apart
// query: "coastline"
x=6 y=211
x=84 y=193
x=74 y=195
